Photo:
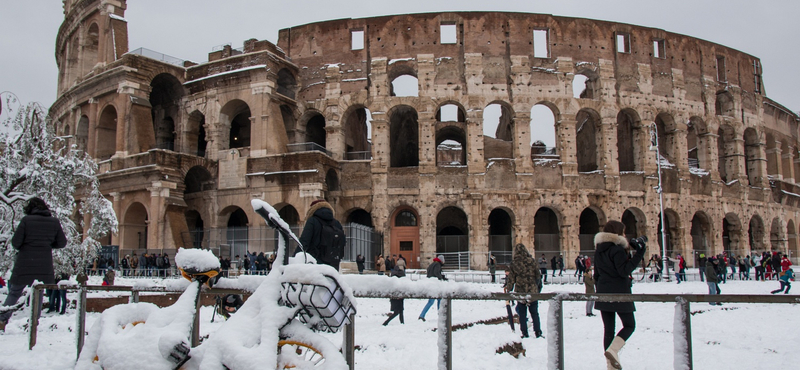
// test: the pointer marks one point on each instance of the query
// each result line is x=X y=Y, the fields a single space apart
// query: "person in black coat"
x=37 y=234
x=319 y=214
x=613 y=266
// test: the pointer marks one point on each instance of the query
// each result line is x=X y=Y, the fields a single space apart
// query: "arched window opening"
x=752 y=155
x=196 y=234
x=361 y=217
x=106 y=144
x=756 y=234
x=82 y=133
x=724 y=104
x=546 y=231
x=691 y=145
x=404 y=137
x=452 y=235
x=237 y=113
x=315 y=132
x=290 y=124
x=197 y=179
x=498 y=131
x=672 y=236
x=589 y=226
x=726 y=153
x=91 y=44
x=698 y=146
x=584 y=85
x=700 y=232
x=332 y=180
x=791 y=234
x=773 y=156
x=133 y=229
x=450 y=113
x=358 y=138
x=543 y=132
x=787 y=160
x=629 y=150
x=731 y=234
x=665 y=125
x=237 y=234
x=405 y=218
x=196 y=137
x=634 y=222
x=451 y=147
x=501 y=236
x=165 y=95
x=287 y=85
x=405 y=85
x=777 y=238
x=588 y=124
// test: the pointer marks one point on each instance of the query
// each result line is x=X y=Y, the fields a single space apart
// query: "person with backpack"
x=784 y=279
x=323 y=236
x=525 y=278
x=434 y=271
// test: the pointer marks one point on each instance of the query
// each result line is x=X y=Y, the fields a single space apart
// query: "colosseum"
x=459 y=133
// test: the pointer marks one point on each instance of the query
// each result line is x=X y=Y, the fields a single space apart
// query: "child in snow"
x=784 y=280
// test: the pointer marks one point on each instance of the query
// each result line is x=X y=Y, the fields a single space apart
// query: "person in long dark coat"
x=37 y=234
x=613 y=266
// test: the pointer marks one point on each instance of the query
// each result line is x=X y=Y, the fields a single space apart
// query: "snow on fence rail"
x=376 y=287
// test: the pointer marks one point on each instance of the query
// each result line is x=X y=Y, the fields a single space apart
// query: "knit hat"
x=441 y=258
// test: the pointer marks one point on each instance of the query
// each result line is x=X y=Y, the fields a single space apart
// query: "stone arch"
x=546 y=231
x=501 y=235
x=788 y=156
x=587 y=137
x=498 y=130
x=773 y=157
x=106 y=137
x=197 y=179
x=196 y=134
x=451 y=145
x=404 y=136
x=667 y=141
x=166 y=92
x=724 y=104
x=701 y=234
x=452 y=231
x=543 y=130
x=752 y=156
x=293 y=132
x=82 y=133
x=791 y=233
x=315 y=129
x=290 y=215
x=673 y=235
x=89 y=49
x=332 y=180
x=235 y=121
x=236 y=230
x=696 y=138
x=755 y=232
x=635 y=222
x=196 y=227
x=629 y=147
x=590 y=223
x=403 y=80
x=585 y=84
x=777 y=236
x=404 y=238
x=359 y=216
x=357 y=127
x=287 y=83
x=451 y=111
x=133 y=229
x=732 y=234
x=726 y=152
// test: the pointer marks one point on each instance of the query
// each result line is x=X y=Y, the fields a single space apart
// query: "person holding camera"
x=613 y=265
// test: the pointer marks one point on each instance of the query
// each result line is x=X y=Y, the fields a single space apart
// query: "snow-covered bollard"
x=682 y=335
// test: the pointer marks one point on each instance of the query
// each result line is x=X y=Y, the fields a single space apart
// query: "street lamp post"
x=654 y=144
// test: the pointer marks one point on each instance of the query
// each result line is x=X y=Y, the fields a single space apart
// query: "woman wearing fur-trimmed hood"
x=613 y=266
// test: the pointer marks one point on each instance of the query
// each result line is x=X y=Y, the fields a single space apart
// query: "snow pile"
x=196 y=260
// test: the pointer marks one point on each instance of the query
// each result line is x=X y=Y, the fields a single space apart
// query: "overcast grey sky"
x=188 y=29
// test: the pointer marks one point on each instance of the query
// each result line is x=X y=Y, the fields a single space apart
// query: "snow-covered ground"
x=732 y=336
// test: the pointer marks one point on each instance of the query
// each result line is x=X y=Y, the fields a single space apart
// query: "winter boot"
x=612 y=353
x=610 y=366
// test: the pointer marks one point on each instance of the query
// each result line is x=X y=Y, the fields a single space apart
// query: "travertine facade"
x=184 y=146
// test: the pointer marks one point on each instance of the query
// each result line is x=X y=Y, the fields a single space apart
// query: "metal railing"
x=358 y=156
x=682 y=320
x=147 y=53
x=307 y=147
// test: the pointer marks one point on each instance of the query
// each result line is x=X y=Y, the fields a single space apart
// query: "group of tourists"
x=765 y=265
x=147 y=264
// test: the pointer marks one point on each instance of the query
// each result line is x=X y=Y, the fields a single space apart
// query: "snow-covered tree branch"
x=36 y=162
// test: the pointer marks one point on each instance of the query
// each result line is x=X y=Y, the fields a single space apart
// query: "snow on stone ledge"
x=196 y=259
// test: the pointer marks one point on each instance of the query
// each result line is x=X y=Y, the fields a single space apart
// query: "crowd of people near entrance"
x=144 y=265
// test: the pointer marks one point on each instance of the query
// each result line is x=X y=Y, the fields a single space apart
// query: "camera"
x=639 y=242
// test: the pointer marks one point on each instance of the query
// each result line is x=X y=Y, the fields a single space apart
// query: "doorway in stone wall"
x=405 y=236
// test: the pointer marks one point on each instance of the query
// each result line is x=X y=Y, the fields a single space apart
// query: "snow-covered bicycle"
x=276 y=328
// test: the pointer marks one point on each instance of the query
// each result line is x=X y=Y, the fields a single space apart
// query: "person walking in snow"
x=543 y=267
x=434 y=271
x=785 y=279
x=524 y=278
x=588 y=282
x=396 y=305
x=712 y=278
x=37 y=234
x=613 y=266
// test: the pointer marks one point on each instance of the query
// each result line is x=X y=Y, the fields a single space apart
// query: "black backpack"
x=331 y=241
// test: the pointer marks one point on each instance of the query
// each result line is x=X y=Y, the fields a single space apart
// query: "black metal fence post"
x=348 y=346
x=36 y=308
x=80 y=332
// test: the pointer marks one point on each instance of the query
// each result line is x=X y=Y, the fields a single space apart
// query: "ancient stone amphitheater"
x=459 y=133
